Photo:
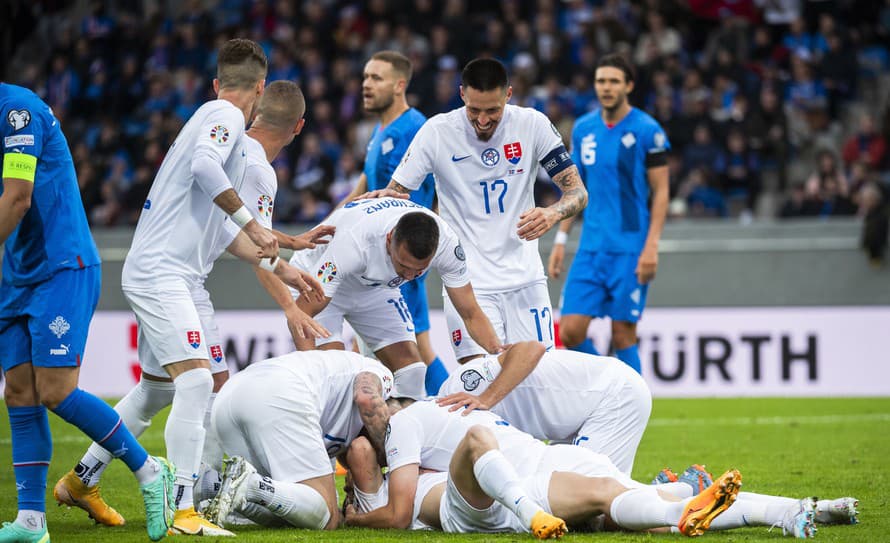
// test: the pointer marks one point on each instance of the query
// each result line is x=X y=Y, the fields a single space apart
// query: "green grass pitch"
x=791 y=447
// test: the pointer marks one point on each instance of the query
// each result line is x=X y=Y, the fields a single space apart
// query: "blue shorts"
x=47 y=323
x=603 y=284
x=414 y=293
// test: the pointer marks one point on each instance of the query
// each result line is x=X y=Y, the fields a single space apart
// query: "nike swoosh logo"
x=458 y=159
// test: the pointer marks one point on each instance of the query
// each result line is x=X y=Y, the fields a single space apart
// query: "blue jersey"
x=386 y=149
x=613 y=163
x=54 y=234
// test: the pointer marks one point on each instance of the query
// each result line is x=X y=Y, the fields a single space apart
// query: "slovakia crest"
x=456 y=337
x=490 y=156
x=216 y=353
x=513 y=152
x=193 y=338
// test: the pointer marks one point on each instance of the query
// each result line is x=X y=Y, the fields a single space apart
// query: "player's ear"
x=630 y=87
x=215 y=86
x=462 y=95
x=509 y=92
x=299 y=127
x=260 y=88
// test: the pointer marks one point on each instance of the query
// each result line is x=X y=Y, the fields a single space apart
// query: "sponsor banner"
x=823 y=351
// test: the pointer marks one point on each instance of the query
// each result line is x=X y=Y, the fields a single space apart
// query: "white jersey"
x=556 y=398
x=330 y=377
x=357 y=254
x=179 y=224
x=427 y=434
x=483 y=187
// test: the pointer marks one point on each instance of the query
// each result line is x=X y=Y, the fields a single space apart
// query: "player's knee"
x=624 y=335
x=572 y=336
x=479 y=440
x=360 y=454
x=219 y=379
x=197 y=382
x=19 y=394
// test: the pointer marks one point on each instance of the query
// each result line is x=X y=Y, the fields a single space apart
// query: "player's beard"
x=486 y=135
x=380 y=106
x=615 y=107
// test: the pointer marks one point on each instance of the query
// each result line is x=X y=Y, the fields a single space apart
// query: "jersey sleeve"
x=656 y=145
x=474 y=377
x=218 y=134
x=342 y=258
x=417 y=161
x=547 y=137
x=404 y=438
x=258 y=193
x=450 y=260
x=26 y=125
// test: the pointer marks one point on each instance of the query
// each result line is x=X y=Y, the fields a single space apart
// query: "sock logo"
x=180 y=490
x=21 y=485
x=80 y=469
x=120 y=452
x=266 y=485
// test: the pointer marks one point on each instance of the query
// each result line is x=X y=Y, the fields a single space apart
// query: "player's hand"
x=554 y=264
x=312 y=238
x=460 y=400
x=647 y=265
x=381 y=193
x=535 y=222
x=302 y=326
x=304 y=283
x=349 y=512
x=263 y=238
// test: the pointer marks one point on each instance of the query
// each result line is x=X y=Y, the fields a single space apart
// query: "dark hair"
x=615 y=60
x=484 y=74
x=241 y=63
x=419 y=232
x=399 y=62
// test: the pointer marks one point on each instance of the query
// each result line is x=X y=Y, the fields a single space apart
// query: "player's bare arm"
x=307 y=240
x=282 y=296
x=398 y=512
x=229 y=201
x=393 y=190
x=368 y=398
x=647 y=265
x=555 y=264
x=478 y=325
x=517 y=363
x=14 y=203
x=535 y=222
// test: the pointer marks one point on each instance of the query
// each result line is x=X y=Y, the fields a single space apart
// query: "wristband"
x=561 y=238
x=269 y=263
x=242 y=217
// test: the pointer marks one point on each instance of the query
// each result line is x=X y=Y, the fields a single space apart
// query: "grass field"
x=792 y=447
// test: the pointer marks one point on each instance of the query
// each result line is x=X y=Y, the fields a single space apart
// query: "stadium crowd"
x=786 y=99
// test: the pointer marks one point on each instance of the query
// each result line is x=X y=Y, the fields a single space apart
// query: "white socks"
x=31 y=520
x=409 y=381
x=680 y=490
x=136 y=409
x=149 y=471
x=499 y=479
x=752 y=509
x=642 y=509
x=184 y=433
x=213 y=453
x=300 y=505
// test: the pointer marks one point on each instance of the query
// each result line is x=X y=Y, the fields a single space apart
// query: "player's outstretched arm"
x=517 y=363
x=393 y=190
x=15 y=200
x=659 y=184
x=367 y=393
x=399 y=511
x=555 y=264
x=478 y=325
x=229 y=201
x=306 y=240
x=535 y=222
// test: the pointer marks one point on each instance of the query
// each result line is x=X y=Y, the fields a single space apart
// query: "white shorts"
x=459 y=517
x=175 y=323
x=378 y=315
x=366 y=502
x=518 y=315
x=616 y=426
x=278 y=430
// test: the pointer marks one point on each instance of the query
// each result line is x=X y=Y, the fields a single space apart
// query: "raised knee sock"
x=32 y=449
x=631 y=357
x=751 y=509
x=184 y=433
x=435 y=376
x=103 y=425
x=678 y=489
x=261 y=515
x=586 y=346
x=498 y=479
x=643 y=508
x=409 y=380
x=136 y=409
x=212 y=455
x=300 y=505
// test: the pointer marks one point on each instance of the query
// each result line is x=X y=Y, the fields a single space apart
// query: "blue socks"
x=631 y=357
x=585 y=346
x=435 y=376
x=103 y=425
x=32 y=449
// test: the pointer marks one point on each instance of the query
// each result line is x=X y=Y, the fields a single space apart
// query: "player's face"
x=611 y=87
x=407 y=266
x=379 y=85
x=485 y=108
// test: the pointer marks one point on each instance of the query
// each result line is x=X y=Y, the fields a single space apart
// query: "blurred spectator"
x=828 y=170
x=703 y=152
x=866 y=145
x=703 y=198
x=876 y=223
x=660 y=40
x=741 y=178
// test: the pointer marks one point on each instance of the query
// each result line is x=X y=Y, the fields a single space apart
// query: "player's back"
x=179 y=222
x=54 y=233
x=613 y=163
x=484 y=186
x=385 y=150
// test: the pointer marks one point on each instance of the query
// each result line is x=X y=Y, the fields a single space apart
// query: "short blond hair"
x=282 y=105
x=241 y=64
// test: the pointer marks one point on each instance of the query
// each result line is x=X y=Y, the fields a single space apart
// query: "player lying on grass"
x=596 y=402
x=288 y=416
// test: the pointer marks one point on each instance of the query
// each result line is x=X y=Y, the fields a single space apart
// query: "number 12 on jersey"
x=498 y=185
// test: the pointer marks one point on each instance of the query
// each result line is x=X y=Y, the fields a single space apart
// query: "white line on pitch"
x=765 y=421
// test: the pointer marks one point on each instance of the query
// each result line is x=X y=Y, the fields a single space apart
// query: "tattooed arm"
x=535 y=222
x=368 y=397
x=393 y=190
